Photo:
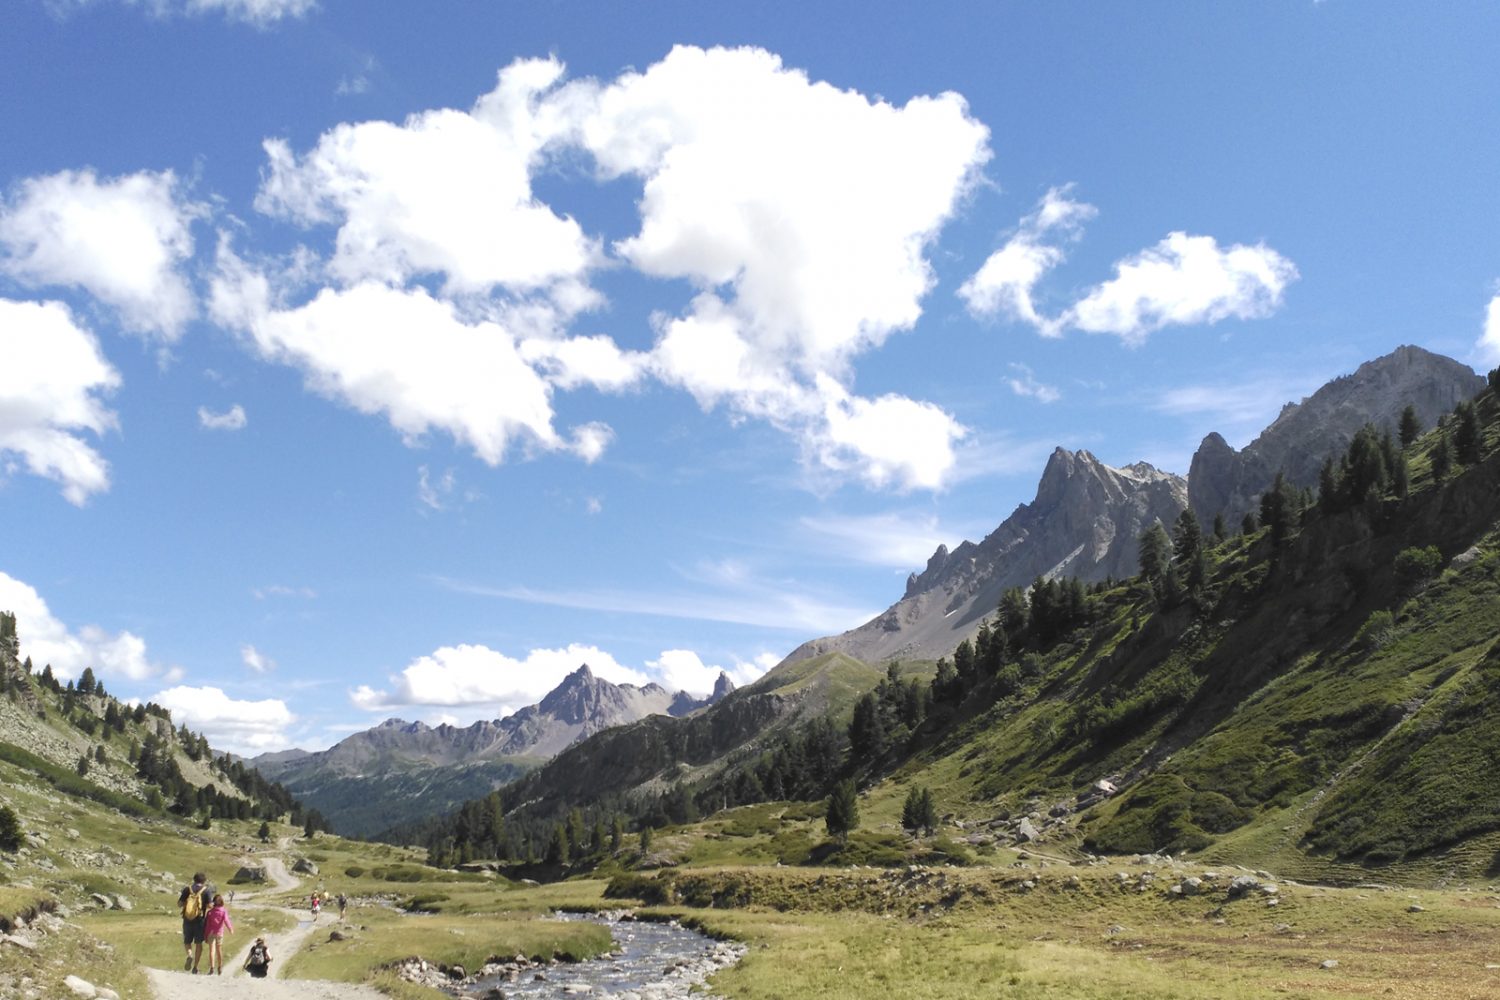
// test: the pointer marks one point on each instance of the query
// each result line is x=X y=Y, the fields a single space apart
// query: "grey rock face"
x=1228 y=482
x=1085 y=522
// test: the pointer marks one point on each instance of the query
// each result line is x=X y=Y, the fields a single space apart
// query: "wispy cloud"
x=1024 y=383
x=741 y=600
x=899 y=540
x=232 y=419
x=282 y=590
x=1239 y=409
x=255 y=660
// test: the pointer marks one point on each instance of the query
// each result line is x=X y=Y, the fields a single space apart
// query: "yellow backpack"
x=192 y=907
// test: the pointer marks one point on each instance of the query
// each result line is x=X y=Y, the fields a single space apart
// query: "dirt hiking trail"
x=235 y=983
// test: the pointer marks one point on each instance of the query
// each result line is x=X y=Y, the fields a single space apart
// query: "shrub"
x=1415 y=566
x=1377 y=631
x=354 y=871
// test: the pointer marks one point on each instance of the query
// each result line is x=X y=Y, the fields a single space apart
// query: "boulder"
x=122 y=903
x=1243 y=884
x=1027 y=831
x=250 y=873
x=102 y=901
x=305 y=866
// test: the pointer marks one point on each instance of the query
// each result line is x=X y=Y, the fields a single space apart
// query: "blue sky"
x=367 y=360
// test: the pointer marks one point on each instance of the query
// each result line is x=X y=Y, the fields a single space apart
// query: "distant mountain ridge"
x=422 y=767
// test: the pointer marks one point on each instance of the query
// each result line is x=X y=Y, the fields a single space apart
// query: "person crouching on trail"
x=193 y=903
x=215 y=925
x=259 y=959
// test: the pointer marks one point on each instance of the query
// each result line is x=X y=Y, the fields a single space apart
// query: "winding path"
x=234 y=984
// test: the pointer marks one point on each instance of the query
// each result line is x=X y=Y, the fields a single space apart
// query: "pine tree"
x=1155 y=547
x=1466 y=434
x=1411 y=428
x=1442 y=457
x=10 y=830
x=1220 y=531
x=264 y=833
x=645 y=839
x=843 y=810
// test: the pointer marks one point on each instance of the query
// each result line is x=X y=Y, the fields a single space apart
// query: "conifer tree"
x=1466 y=434
x=10 y=830
x=1442 y=457
x=1410 y=426
x=843 y=810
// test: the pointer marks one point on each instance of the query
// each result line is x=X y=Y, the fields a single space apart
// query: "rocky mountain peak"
x=1085 y=521
x=723 y=686
x=1228 y=482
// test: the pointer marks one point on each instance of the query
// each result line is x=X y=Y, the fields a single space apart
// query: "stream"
x=650 y=961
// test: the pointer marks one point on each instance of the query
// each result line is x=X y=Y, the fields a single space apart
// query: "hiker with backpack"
x=215 y=925
x=259 y=960
x=193 y=902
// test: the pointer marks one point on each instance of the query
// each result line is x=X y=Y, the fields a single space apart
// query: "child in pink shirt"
x=215 y=925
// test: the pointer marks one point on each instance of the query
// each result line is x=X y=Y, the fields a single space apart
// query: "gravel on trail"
x=235 y=983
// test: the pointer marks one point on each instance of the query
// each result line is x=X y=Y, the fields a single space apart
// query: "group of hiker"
x=205 y=920
x=319 y=897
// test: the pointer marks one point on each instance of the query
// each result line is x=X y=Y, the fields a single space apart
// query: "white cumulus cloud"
x=240 y=726
x=1184 y=280
x=447 y=193
x=52 y=378
x=123 y=240
x=484 y=680
x=232 y=419
x=260 y=13
x=407 y=356
x=1004 y=283
x=684 y=670
x=47 y=640
x=1489 y=342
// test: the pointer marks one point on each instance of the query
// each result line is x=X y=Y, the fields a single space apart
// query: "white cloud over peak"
x=52 y=379
x=48 y=641
x=890 y=441
x=232 y=419
x=684 y=670
x=240 y=726
x=1004 y=283
x=123 y=240
x=897 y=540
x=481 y=679
x=1184 y=280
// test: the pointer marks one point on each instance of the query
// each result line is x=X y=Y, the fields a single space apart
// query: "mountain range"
x=433 y=768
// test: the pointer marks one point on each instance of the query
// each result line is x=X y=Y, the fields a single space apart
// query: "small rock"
x=102 y=901
x=1416 y=908
x=1329 y=963
x=81 y=987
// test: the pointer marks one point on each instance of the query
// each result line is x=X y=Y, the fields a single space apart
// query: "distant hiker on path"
x=259 y=959
x=215 y=926
x=317 y=905
x=193 y=902
x=343 y=904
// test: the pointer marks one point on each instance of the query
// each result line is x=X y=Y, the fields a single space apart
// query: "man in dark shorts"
x=193 y=904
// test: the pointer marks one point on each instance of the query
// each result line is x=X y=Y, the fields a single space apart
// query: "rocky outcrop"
x=1222 y=481
x=1085 y=522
